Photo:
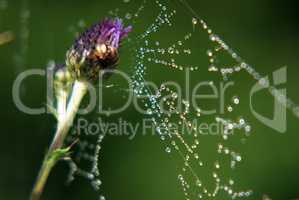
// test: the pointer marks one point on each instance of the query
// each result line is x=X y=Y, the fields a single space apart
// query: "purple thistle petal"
x=109 y=32
x=97 y=48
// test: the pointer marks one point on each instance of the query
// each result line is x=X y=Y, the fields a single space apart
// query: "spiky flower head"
x=96 y=49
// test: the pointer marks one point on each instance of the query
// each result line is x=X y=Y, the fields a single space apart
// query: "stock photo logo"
x=279 y=120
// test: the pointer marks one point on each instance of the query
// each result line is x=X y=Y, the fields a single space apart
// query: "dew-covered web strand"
x=23 y=37
x=88 y=152
x=140 y=71
x=242 y=64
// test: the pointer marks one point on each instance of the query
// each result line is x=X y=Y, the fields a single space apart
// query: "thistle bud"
x=62 y=78
x=96 y=49
x=61 y=73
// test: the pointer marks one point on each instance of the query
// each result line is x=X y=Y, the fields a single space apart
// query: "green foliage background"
x=264 y=32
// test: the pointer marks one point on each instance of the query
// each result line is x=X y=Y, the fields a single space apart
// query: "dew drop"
x=128 y=16
x=149 y=111
x=194 y=21
x=236 y=100
x=102 y=198
x=168 y=150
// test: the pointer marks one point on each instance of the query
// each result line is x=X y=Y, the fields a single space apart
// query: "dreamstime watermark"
x=194 y=95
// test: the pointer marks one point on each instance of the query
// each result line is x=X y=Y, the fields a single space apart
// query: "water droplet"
x=236 y=100
x=170 y=50
x=242 y=121
x=238 y=158
x=209 y=53
x=230 y=126
x=168 y=150
x=247 y=128
x=198 y=183
x=128 y=16
x=102 y=198
x=174 y=95
x=149 y=111
x=194 y=21
x=217 y=165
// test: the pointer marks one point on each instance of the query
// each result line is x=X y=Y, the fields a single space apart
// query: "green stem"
x=55 y=152
x=42 y=178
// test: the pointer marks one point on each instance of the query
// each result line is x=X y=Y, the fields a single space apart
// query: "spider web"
x=194 y=187
x=193 y=50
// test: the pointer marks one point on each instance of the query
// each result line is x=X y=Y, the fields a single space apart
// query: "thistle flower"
x=93 y=52
x=96 y=49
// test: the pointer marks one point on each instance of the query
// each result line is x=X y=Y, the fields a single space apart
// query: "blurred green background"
x=264 y=32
